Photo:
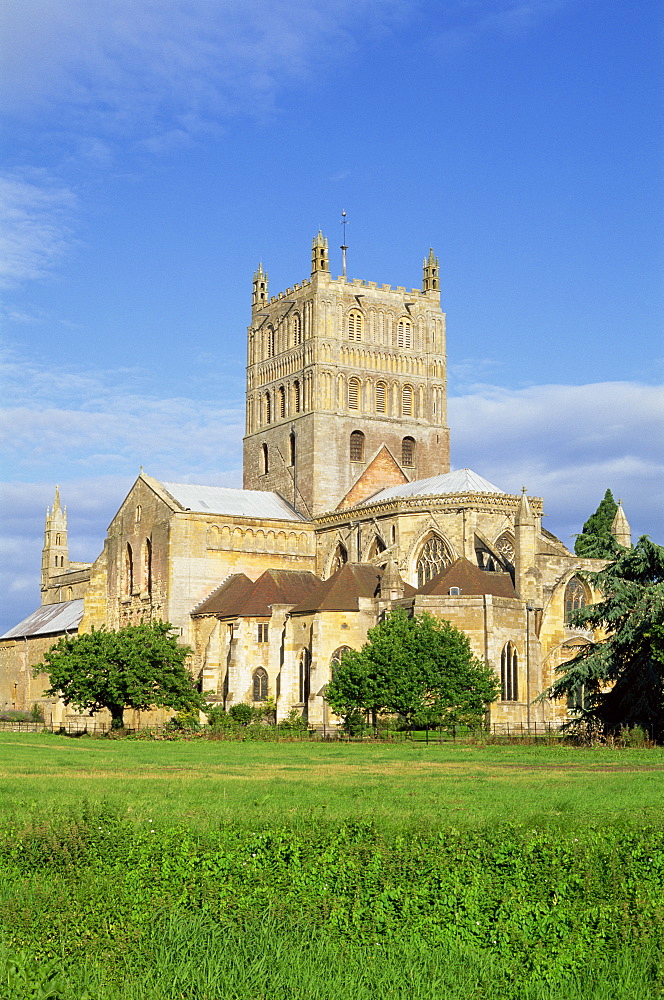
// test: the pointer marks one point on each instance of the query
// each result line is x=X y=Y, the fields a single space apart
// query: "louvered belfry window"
x=354 y=394
x=357 y=446
x=355 y=323
x=407 y=401
x=381 y=397
x=404 y=333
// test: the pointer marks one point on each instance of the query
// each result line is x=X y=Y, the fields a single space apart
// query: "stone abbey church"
x=349 y=509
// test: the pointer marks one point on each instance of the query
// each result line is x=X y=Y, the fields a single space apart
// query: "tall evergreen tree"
x=619 y=681
x=596 y=540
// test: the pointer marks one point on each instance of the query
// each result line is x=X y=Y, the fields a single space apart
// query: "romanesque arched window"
x=339 y=558
x=353 y=393
x=509 y=673
x=355 y=323
x=282 y=401
x=260 y=685
x=268 y=408
x=297 y=329
x=269 y=342
x=575 y=597
x=58 y=540
x=138 y=513
x=266 y=459
x=432 y=560
x=381 y=397
x=291 y=448
x=404 y=333
x=408 y=451
x=407 y=401
x=357 y=446
x=129 y=571
x=304 y=676
x=296 y=396
x=70 y=593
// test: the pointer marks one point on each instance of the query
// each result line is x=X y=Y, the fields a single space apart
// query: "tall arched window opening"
x=296 y=396
x=357 y=446
x=304 y=676
x=129 y=571
x=282 y=401
x=147 y=565
x=433 y=559
x=336 y=658
x=354 y=394
x=266 y=459
x=509 y=673
x=297 y=330
x=381 y=397
x=268 y=408
x=269 y=342
x=58 y=540
x=404 y=333
x=355 y=324
x=408 y=451
x=407 y=401
x=260 y=685
x=291 y=448
x=575 y=597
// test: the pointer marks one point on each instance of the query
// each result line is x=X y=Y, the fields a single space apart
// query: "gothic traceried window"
x=355 y=324
x=260 y=685
x=408 y=451
x=353 y=394
x=357 y=446
x=505 y=545
x=381 y=397
x=339 y=558
x=404 y=333
x=575 y=597
x=336 y=658
x=433 y=559
x=407 y=401
x=509 y=673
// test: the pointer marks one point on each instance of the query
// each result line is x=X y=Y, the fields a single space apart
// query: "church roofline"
x=501 y=502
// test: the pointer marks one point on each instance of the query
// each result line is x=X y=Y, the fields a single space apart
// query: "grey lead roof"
x=223 y=500
x=460 y=481
x=48 y=620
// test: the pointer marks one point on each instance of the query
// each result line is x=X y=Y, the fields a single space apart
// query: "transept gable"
x=383 y=471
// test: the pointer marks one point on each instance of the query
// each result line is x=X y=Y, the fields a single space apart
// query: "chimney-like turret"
x=525 y=538
x=55 y=554
x=319 y=255
x=431 y=273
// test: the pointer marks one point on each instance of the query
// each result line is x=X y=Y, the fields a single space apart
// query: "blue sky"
x=154 y=153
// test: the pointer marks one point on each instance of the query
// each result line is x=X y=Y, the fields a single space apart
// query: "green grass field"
x=252 y=871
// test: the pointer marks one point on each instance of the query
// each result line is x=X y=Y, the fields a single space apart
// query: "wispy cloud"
x=461 y=22
x=35 y=226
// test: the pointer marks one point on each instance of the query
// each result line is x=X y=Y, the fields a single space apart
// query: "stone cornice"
x=448 y=503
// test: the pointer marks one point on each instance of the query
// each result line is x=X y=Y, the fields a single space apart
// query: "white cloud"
x=568 y=444
x=35 y=226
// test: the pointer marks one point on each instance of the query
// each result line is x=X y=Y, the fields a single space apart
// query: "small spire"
x=431 y=273
x=524 y=514
x=259 y=296
x=56 y=502
x=620 y=528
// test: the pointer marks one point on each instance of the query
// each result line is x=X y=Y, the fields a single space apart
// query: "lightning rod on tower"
x=343 y=245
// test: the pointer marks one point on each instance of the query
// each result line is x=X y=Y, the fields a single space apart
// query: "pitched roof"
x=460 y=481
x=383 y=471
x=239 y=597
x=223 y=500
x=49 y=620
x=342 y=591
x=471 y=580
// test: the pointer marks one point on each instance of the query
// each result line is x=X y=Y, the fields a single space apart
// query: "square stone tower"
x=346 y=386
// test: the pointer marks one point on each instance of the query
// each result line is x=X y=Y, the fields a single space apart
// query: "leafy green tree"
x=621 y=678
x=596 y=540
x=419 y=667
x=139 y=667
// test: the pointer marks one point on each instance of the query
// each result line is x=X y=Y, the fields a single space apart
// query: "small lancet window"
x=260 y=685
x=291 y=448
x=266 y=459
x=58 y=540
x=357 y=446
x=509 y=673
x=408 y=451
x=129 y=571
x=355 y=324
x=354 y=394
x=304 y=676
x=147 y=565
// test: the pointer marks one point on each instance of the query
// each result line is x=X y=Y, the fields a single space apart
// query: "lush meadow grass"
x=278 y=871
